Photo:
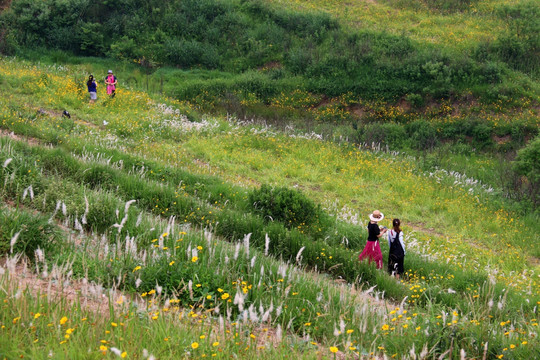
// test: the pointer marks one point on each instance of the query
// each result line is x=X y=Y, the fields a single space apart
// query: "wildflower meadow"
x=131 y=231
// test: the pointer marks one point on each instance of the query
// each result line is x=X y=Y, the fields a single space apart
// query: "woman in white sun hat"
x=372 y=250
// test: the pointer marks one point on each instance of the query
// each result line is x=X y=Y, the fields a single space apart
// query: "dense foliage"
x=527 y=164
x=239 y=35
x=282 y=204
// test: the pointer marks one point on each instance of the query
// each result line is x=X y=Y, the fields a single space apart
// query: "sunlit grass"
x=451 y=222
x=458 y=30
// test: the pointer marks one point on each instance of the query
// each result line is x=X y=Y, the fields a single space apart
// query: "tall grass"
x=123 y=229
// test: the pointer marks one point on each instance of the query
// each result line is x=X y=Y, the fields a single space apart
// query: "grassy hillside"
x=307 y=50
x=217 y=205
x=71 y=182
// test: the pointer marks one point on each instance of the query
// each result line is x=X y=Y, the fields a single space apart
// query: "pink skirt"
x=110 y=89
x=372 y=251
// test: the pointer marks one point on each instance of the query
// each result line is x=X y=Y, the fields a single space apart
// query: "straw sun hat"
x=376 y=216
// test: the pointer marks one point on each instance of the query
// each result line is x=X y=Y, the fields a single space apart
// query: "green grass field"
x=189 y=282
x=217 y=205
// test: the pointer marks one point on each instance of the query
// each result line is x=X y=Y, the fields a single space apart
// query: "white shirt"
x=392 y=234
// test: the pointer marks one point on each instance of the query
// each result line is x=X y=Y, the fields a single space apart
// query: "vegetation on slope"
x=461 y=284
x=310 y=51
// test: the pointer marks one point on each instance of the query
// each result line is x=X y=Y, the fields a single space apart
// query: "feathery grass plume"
x=6 y=163
x=208 y=237
x=58 y=204
x=253 y=261
x=13 y=241
x=86 y=210
x=342 y=326
x=424 y=353
x=239 y=299
x=138 y=283
x=253 y=316
x=370 y=290
x=11 y=263
x=266 y=315
x=78 y=226
x=27 y=191
x=299 y=255
x=188 y=251
x=40 y=255
x=266 y=244
x=139 y=219
x=116 y=351
x=282 y=270
x=279 y=333
x=190 y=288
x=126 y=213
x=279 y=310
x=246 y=243
x=236 y=251
x=64 y=209
x=402 y=304
x=221 y=324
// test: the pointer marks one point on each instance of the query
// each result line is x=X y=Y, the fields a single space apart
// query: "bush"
x=281 y=204
x=422 y=135
x=34 y=232
x=191 y=53
x=390 y=134
x=415 y=100
x=520 y=46
x=527 y=164
x=482 y=135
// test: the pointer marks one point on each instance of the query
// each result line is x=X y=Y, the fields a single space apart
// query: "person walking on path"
x=372 y=250
x=111 y=82
x=396 y=255
x=92 y=88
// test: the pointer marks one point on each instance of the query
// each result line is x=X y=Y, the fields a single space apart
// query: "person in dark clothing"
x=396 y=255
x=92 y=88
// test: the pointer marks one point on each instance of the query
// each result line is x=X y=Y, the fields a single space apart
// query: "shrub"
x=389 y=134
x=482 y=135
x=422 y=135
x=34 y=231
x=282 y=204
x=520 y=46
x=125 y=49
x=415 y=100
x=527 y=164
x=191 y=53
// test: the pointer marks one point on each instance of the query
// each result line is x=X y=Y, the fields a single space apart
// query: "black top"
x=373 y=231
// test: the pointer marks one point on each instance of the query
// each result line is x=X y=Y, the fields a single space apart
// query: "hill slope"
x=463 y=248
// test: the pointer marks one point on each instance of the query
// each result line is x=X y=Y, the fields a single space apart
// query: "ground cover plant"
x=246 y=55
x=158 y=209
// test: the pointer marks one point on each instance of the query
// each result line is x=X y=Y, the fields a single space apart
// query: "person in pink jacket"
x=372 y=250
x=111 y=82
